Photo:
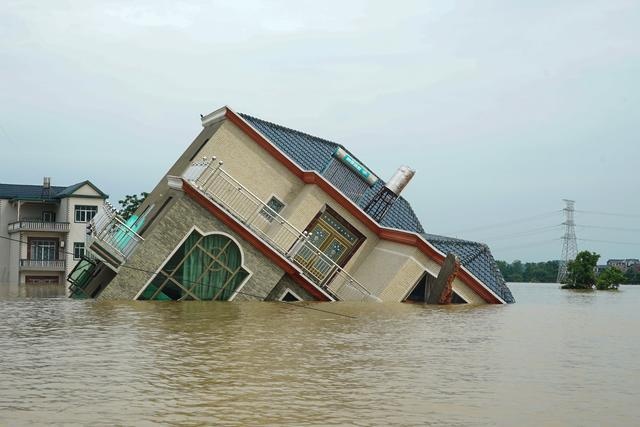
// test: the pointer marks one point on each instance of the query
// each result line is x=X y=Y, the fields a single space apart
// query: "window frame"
x=76 y=246
x=50 y=214
x=159 y=270
x=268 y=216
x=82 y=209
x=32 y=244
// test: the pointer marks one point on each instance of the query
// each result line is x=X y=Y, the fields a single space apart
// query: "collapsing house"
x=256 y=211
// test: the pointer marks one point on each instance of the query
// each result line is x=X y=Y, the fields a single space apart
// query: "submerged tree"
x=610 y=278
x=130 y=204
x=581 y=272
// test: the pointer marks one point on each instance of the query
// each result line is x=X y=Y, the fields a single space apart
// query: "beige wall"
x=12 y=252
x=250 y=164
x=389 y=270
x=265 y=176
x=6 y=216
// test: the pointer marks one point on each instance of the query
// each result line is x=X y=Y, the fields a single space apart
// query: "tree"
x=632 y=277
x=610 y=278
x=535 y=272
x=130 y=204
x=581 y=272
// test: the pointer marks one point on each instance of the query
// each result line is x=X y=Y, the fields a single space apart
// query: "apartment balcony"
x=111 y=239
x=42 y=265
x=217 y=185
x=37 y=225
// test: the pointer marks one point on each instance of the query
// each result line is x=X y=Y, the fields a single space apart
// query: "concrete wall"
x=265 y=176
x=169 y=230
x=389 y=270
x=11 y=252
x=6 y=216
x=77 y=230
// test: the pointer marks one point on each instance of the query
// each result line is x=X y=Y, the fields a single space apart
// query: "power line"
x=611 y=241
x=502 y=224
x=610 y=214
x=193 y=282
x=528 y=245
x=525 y=232
x=7 y=134
x=609 y=228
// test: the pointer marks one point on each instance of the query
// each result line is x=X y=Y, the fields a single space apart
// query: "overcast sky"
x=504 y=108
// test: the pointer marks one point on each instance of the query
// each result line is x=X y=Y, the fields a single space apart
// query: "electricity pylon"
x=569 y=243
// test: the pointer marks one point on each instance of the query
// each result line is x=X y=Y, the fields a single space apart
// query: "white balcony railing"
x=34 y=264
x=37 y=225
x=215 y=183
x=113 y=234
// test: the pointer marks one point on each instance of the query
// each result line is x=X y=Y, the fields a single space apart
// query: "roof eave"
x=384 y=232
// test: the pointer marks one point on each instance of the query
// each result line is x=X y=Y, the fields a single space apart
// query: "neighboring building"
x=257 y=211
x=43 y=229
x=600 y=268
x=623 y=264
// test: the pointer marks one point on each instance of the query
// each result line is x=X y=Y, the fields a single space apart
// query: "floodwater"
x=555 y=358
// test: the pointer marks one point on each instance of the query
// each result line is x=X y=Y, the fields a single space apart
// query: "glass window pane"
x=203 y=265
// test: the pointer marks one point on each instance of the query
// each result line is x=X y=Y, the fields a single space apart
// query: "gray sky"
x=503 y=107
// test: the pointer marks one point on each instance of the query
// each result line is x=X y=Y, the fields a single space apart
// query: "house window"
x=78 y=250
x=274 y=206
x=289 y=296
x=48 y=216
x=203 y=268
x=43 y=250
x=85 y=213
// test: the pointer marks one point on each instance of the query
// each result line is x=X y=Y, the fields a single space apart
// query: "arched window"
x=203 y=268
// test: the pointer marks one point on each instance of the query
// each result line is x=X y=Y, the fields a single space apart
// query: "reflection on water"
x=555 y=358
x=12 y=291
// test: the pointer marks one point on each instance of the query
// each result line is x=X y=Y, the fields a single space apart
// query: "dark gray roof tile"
x=313 y=153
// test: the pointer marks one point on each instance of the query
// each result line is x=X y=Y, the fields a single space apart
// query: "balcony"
x=111 y=238
x=294 y=245
x=42 y=265
x=37 y=225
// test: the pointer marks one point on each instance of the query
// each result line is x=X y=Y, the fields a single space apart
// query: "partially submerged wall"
x=176 y=221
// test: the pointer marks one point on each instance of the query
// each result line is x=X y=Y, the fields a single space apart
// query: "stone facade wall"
x=377 y=264
x=178 y=220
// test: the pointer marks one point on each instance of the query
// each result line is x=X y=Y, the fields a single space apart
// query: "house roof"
x=313 y=153
x=35 y=192
x=477 y=258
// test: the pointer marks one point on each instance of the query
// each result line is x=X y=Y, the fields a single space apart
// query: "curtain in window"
x=203 y=268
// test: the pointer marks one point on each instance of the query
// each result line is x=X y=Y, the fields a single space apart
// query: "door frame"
x=361 y=237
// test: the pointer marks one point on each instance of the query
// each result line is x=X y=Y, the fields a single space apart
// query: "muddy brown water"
x=554 y=358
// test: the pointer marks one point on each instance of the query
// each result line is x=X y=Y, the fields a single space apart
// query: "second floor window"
x=48 y=216
x=274 y=206
x=78 y=250
x=84 y=213
x=43 y=250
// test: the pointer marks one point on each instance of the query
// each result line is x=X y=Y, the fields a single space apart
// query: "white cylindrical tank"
x=400 y=179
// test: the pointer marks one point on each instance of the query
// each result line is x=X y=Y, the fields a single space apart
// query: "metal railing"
x=37 y=225
x=109 y=228
x=42 y=264
x=215 y=183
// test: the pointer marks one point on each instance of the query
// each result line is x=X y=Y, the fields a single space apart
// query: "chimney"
x=46 y=187
x=387 y=195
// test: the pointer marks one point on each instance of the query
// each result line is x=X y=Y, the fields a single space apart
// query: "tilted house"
x=254 y=210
